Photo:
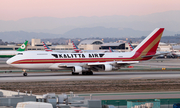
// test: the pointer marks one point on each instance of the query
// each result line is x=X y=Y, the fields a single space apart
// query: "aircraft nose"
x=9 y=61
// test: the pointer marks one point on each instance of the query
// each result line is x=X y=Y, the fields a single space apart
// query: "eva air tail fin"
x=23 y=47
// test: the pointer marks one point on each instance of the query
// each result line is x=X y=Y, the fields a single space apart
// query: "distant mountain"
x=169 y=20
x=103 y=32
x=21 y=36
x=100 y=32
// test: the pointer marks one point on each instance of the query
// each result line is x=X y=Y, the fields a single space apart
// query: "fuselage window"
x=55 y=55
x=42 y=54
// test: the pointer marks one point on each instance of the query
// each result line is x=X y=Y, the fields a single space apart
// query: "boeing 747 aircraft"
x=86 y=63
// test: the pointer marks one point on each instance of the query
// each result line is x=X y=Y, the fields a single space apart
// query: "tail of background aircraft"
x=130 y=46
x=76 y=49
x=23 y=47
x=46 y=47
x=110 y=49
x=148 y=47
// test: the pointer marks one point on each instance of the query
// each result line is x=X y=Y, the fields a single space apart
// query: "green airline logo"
x=23 y=46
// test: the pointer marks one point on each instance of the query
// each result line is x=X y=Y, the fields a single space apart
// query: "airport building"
x=36 y=44
x=164 y=47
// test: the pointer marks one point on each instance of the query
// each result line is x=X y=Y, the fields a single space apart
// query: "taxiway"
x=66 y=76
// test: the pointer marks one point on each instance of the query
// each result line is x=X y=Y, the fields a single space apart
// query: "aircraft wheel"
x=25 y=74
x=73 y=73
x=87 y=73
x=83 y=73
x=91 y=73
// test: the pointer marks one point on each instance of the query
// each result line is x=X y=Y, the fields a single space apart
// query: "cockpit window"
x=20 y=54
x=55 y=55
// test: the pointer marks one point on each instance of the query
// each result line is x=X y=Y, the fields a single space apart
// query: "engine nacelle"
x=107 y=67
x=77 y=69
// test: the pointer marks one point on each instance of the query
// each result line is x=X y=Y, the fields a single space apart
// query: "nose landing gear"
x=24 y=72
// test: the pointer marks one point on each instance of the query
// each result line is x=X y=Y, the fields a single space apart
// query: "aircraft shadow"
x=95 y=74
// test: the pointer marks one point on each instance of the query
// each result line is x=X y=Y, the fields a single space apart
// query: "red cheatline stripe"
x=70 y=60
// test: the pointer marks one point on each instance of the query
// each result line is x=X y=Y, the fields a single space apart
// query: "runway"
x=66 y=76
x=42 y=75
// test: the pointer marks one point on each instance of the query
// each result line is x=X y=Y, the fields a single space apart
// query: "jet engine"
x=107 y=67
x=77 y=69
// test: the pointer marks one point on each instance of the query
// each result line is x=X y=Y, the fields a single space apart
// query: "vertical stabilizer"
x=110 y=49
x=46 y=47
x=130 y=46
x=23 y=47
x=76 y=49
x=149 y=45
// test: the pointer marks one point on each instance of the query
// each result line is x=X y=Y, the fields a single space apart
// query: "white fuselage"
x=46 y=60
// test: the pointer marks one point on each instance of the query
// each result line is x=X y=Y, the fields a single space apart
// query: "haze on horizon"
x=19 y=9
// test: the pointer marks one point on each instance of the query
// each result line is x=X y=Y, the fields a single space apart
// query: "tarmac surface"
x=120 y=75
x=66 y=76
x=43 y=75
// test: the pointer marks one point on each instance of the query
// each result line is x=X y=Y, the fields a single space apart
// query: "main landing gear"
x=74 y=73
x=87 y=73
x=83 y=73
x=24 y=72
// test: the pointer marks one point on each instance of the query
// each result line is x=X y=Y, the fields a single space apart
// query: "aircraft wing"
x=155 y=55
x=66 y=66
x=99 y=63
x=114 y=63
x=98 y=66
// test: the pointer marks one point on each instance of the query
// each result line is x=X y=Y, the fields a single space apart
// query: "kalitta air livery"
x=86 y=63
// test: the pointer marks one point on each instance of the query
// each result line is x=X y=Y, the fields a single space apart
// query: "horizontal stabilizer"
x=155 y=55
x=127 y=62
